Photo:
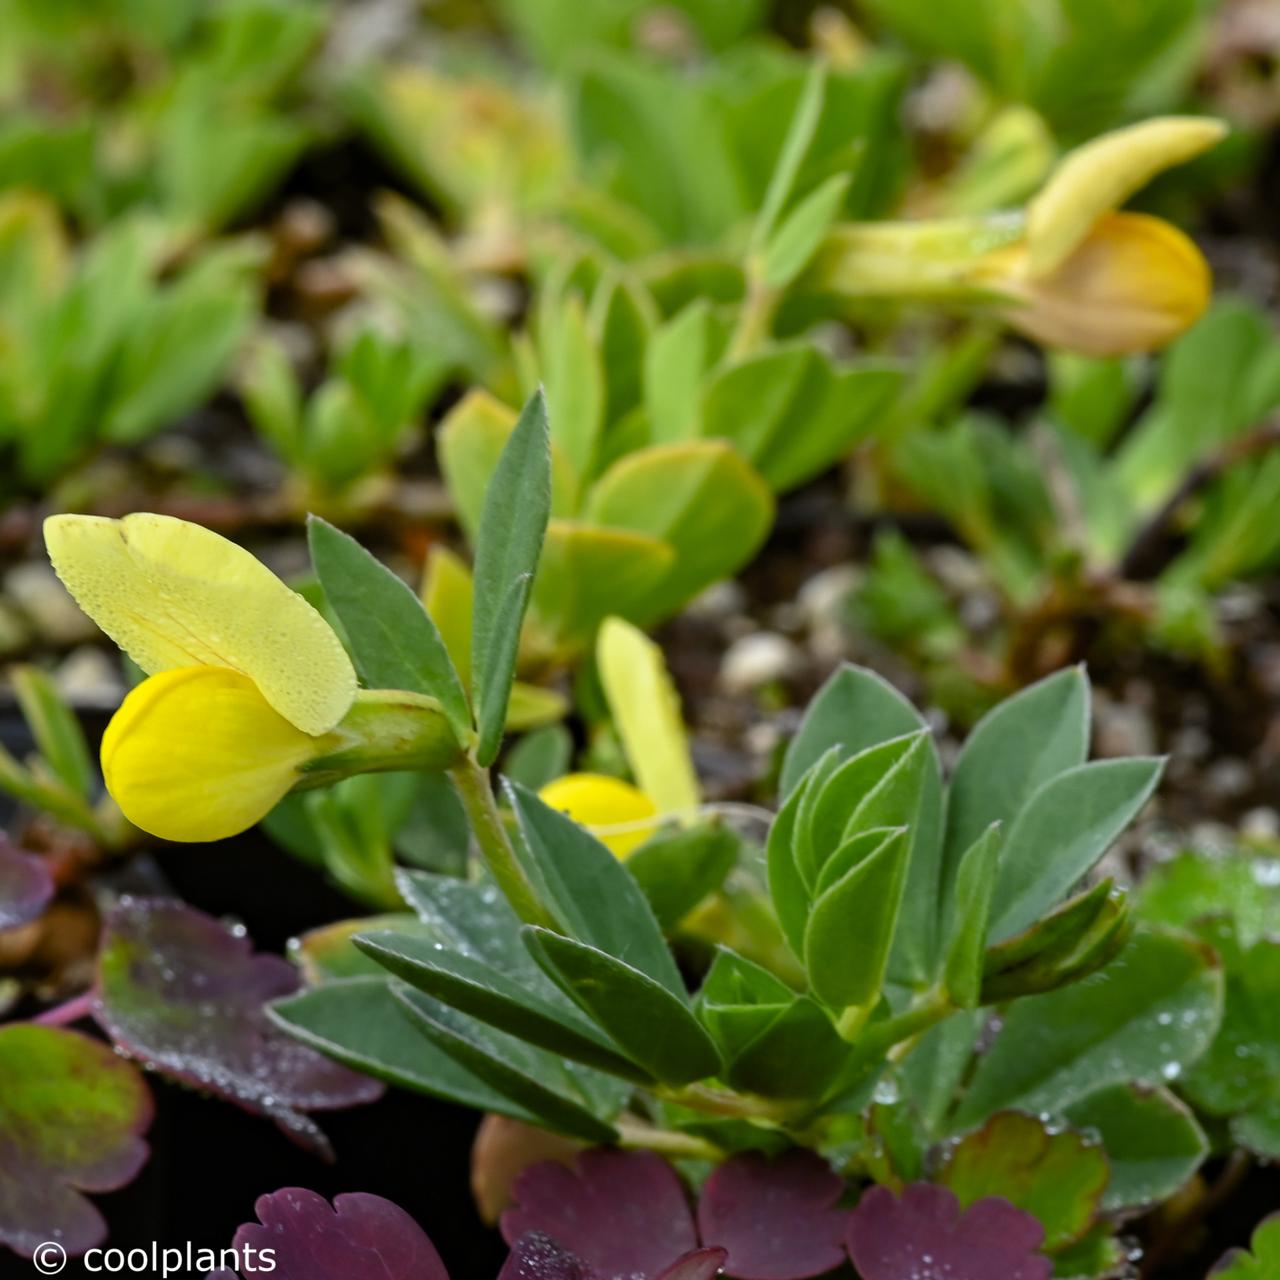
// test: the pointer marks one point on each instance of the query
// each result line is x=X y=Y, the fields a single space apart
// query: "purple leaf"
x=699 y=1264
x=538 y=1257
x=624 y=1214
x=185 y=994
x=924 y=1236
x=359 y=1237
x=25 y=886
x=777 y=1219
x=72 y=1118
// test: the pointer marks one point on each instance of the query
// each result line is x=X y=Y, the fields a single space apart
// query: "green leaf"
x=1145 y=1018
x=54 y=727
x=483 y=992
x=575 y=388
x=854 y=709
x=512 y=526
x=1194 y=887
x=589 y=892
x=1239 y=1076
x=540 y=757
x=588 y=572
x=676 y=870
x=1152 y=1140
x=787 y=886
x=516 y=1070
x=1066 y=826
x=975 y=883
x=1079 y=936
x=392 y=637
x=359 y=1023
x=933 y=1070
x=1058 y=1177
x=851 y=926
x=700 y=497
x=791 y=412
x=652 y=1026
x=792 y=246
x=800 y=133
x=1016 y=748
x=1264 y=1261
x=676 y=360
x=329 y=953
x=774 y=1042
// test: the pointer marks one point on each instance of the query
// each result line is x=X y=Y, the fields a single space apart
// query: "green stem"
x=724 y=1102
x=754 y=321
x=881 y=1037
x=471 y=782
x=637 y=1135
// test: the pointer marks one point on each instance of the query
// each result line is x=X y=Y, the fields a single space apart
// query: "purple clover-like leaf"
x=697 y=1264
x=25 y=886
x=624 y=1214
x=71 y=1118
x=777 y=1219
x=926 y=1237
x=358 y=1237
x=538 y=1257
x=186 y=994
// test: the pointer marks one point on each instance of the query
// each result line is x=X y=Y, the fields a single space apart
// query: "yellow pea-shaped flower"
x=174 y=594
x=246 y=680
x=619 y=815
x=197 y=753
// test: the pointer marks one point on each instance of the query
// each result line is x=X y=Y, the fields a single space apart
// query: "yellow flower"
x=646 y=714
x=619 y=815
x=1135 y=283
x=1069 y=270
x=247 y=681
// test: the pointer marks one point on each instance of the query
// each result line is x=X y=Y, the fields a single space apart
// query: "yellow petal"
x=615 y=812
x=1134 y=285
x=197 y=754
x=646 y=712
x=173 y=594
x=1101 y=175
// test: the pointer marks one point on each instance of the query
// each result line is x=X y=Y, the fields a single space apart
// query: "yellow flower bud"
x=1134 y=284
x=616 y=813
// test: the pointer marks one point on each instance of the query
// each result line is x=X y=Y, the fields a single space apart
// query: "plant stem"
x=754 y=321
x=881 y=1037
x=72 y=1010
x=724 y=1102
x=638 y=1135
x=471 y=782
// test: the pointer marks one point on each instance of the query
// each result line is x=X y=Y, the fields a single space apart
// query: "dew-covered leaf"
x=537 y=1257
x=71 y=1118
x=777 y=1219
x=1057 y=1176
x=1151 y=1138
x=186 y=995
x=25 y=886
x=358 y=1237
x=925 y=1236
x=1145 y=1017
x=623 y=1213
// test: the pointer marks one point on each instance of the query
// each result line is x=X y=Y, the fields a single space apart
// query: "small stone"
x=35 y=589
x=719 y=601
x=823 y=597
x=1121 y=728
x=758 y=659
x=1262 y=823
x=89 y=678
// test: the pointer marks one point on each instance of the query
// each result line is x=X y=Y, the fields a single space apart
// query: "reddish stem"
x=72 y=1010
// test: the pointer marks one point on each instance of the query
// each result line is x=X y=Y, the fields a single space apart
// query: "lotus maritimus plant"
x=543 y=987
